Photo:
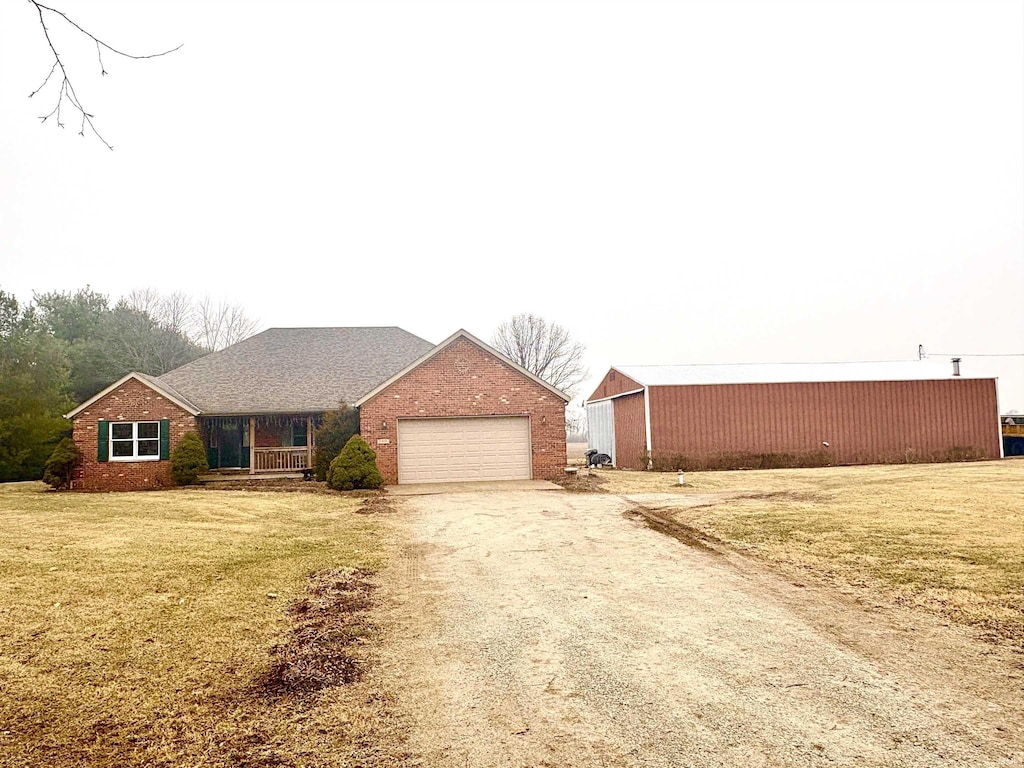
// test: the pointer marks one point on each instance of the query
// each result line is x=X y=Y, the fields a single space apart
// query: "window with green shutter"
x=102 y=440
x=133 y=440
x=165 y=439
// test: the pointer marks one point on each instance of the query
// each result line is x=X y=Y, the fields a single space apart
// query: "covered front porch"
x=268 y=443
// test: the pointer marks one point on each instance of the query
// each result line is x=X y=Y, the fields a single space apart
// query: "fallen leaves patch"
x=325 y=644
x=375 y=504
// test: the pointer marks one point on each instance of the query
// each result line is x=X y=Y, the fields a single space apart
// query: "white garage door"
x=453 y=450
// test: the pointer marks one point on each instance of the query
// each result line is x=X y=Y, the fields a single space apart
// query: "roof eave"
x=272 y=412
x=613 y=397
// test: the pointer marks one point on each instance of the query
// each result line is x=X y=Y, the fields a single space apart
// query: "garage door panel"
x=471 y=448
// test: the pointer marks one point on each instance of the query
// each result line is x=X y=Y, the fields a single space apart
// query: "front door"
x=230 y=446
x=231 y=439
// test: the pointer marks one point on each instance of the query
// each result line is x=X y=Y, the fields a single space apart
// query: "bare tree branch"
x=178 y=313
x=576 y=423
x=209 y=323
x=219 y=324
x=144 y=300
x=172 y=312
x=66 y=92
x=545 y=349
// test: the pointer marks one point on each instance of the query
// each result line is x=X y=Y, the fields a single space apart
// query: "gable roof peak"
x=157 y=386
x=462 y=333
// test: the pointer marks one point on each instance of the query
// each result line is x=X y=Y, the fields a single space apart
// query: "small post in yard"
x=681 y=481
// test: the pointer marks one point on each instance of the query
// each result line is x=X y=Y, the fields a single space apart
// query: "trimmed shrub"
x=333 y=433
x=61 y=463
x=354 y=467
x=188 y=460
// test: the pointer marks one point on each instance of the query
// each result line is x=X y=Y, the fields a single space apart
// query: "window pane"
x=149 y=429
x=121 y=431
x=149 y=447
x=123 y=448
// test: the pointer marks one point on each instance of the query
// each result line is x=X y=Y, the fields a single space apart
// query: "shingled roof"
x=295 y=370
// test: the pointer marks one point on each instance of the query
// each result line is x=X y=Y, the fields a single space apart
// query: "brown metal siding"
x=630 y=431
x=614 y=383
x=864 y=422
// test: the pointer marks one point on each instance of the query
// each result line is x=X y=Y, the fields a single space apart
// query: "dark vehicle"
x=595 y=459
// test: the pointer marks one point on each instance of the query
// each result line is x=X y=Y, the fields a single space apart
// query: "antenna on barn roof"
x=920 y=352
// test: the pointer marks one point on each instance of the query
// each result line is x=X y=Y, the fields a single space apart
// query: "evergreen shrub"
x=59 y=466
x=188 y=460
x=354 y=467
x=332 y=434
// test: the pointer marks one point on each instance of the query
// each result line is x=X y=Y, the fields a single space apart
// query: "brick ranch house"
x=456 y=411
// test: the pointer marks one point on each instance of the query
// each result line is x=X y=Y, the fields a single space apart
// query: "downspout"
x=647 y=424
x=1002 y=452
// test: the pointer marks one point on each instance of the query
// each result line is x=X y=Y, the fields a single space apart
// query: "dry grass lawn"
x=157 y=629
x=945 y=537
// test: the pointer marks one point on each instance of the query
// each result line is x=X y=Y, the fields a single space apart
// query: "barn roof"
x=295 y=370
x=788 y=373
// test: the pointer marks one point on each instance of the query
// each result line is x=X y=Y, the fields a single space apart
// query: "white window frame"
x=134 y=440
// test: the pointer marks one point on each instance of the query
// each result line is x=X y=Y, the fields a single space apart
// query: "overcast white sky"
x=678 y=182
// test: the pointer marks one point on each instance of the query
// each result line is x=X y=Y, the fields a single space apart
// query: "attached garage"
x=463 y=449
x=465 y=412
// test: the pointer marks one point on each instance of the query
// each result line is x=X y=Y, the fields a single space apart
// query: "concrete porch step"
x=244 y=476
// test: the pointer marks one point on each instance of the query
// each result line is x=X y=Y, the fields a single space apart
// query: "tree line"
x=62 y=348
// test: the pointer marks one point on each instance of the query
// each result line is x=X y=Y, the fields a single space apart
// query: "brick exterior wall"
x=132 y=401
x=465 y=380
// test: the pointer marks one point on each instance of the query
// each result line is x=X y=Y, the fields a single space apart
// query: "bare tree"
x=66 y=92
x=173 y=311
x=178 y=313
x=146 y=300
x=209 y=323
x=220 y=324
x=544 y=349
x=576 y=426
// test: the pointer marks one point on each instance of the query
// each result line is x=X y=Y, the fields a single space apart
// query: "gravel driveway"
x=551 y=629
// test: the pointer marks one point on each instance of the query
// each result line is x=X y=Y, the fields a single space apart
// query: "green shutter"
x=165 y=439
x=102 y=440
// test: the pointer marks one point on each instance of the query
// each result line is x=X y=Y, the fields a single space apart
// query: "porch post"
x=252 y=445
x=309 y=442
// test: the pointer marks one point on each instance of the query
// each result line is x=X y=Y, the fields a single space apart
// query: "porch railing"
x=280 y=459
